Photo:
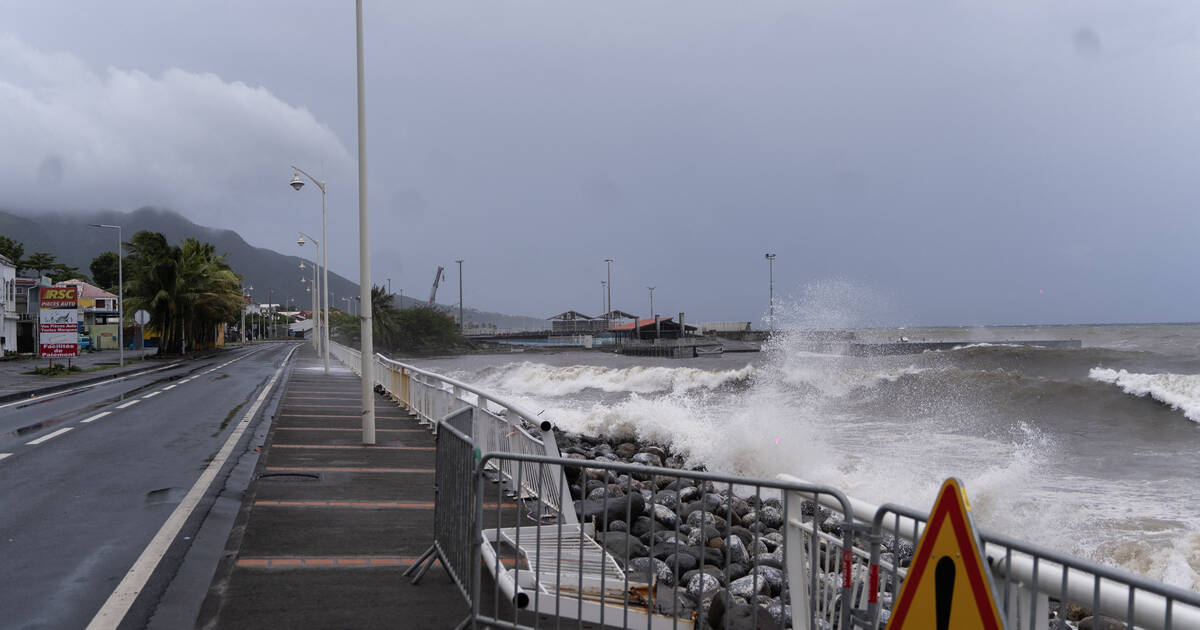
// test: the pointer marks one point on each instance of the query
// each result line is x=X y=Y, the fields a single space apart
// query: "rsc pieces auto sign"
x=58 y=322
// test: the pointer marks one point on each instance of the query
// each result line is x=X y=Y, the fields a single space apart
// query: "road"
x=89 y=478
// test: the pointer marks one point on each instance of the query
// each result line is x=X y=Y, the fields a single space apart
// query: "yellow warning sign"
x=947 y=585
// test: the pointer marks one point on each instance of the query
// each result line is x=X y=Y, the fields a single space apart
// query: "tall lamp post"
x=120 y=291
x=651 y=301
x=297 y=184
x=364 y=247
x=462 y=323
x=603 y=299
x=608 y=313
x=321 y=287
x=771 y=266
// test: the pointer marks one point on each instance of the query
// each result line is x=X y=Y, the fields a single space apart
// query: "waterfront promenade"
x=328 y=526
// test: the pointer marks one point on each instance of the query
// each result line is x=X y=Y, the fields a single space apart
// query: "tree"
x=40 y=262
x=12 y=250
x=104 y=270
x=188 y=290
x=415 y=330
x=60 y=272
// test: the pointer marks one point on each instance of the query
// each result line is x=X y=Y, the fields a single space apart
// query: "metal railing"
x=1025 y=577
x=497 y=425
x=636 y=562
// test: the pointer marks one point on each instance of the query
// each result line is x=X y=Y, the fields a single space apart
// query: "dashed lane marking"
x=96 y=417
x=151 y=395
x=129 y=404
x=110 y=615
x=168 y=387
x=5 y=455
x=49 y=436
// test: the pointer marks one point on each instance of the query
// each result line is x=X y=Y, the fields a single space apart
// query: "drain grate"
x=289 y=477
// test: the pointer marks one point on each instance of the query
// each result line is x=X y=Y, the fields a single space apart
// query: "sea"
x=1094 y=451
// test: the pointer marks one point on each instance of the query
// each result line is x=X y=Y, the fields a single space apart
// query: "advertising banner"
x=58 y=322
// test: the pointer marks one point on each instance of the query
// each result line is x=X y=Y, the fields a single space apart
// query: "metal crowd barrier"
x=454 y=503
x=1025 y=578
x=497 y=425
x=634 y=563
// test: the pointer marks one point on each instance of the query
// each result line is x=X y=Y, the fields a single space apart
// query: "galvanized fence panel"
x=1029 y=582
x=454 y=503
x=625 y=565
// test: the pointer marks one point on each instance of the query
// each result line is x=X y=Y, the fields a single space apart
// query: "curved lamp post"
x=298 y=183
x=322 y=326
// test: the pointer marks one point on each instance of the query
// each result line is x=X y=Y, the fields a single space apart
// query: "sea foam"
x=1181 y=392
x=547 y=380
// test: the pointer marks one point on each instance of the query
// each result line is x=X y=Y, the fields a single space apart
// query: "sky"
x=934 y=162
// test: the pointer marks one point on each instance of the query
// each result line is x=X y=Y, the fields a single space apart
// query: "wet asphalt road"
x=88 y=477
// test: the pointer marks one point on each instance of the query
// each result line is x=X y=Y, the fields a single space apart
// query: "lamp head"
x=301 y=265
x=300 y=241
x=297 y=183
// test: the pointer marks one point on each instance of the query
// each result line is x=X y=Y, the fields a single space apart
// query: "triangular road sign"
x=947 y=586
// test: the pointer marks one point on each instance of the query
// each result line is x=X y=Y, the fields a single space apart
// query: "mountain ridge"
x=70 y=238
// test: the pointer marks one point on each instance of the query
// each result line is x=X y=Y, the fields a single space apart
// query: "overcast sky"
x=925 y=162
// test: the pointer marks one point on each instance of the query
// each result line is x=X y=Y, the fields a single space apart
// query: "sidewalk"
x=14 y=381
x=329 y=525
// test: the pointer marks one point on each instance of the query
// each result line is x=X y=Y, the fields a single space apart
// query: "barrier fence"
x=667 y=548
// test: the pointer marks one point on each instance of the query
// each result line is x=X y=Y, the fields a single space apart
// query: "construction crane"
x=437 y=277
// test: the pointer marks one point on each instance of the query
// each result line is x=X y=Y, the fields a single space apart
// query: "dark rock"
x=1075 y=612
x=715 y=572
x=684 y=561
x=722 y=601
x=772 y=576
x=625 y=450
x=702 y=584
x=642 y=526
x=617 y=526
x=665 y=516
x=781 y=613
x=647 y=459
x=748 y=617
x=737 y=550
x=622 y=546
x=604 y=510
x=668 y=498
x=1100 y=623
x=642 y=569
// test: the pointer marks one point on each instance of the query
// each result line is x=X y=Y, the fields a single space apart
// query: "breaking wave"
x=539 y=379
x=1180 y=392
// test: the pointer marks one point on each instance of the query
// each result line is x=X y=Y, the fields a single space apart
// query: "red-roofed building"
x=666 y=328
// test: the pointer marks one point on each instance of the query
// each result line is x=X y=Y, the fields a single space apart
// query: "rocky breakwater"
x=718 y=553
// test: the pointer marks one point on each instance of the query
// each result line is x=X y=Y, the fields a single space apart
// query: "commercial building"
x=8 y=306
x=99 y=314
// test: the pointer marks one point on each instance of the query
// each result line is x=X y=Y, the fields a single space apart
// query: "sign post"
x=142 y=318
x=58 y=323
x=948 y=585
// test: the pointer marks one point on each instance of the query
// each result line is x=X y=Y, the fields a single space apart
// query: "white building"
x=8 y=305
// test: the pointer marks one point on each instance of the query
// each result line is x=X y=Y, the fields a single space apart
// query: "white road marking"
x=128 y=404
x=118 y=603
x=96 y=417
x=170 y=387
x=50 y=436
x=151 y=395
x=4 y=455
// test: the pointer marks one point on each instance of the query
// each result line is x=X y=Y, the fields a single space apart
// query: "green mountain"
x=71 y=239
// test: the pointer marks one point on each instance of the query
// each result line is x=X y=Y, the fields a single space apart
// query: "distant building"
x=662 y=328
x=8 y=305
x=576 y=323
x=99 y=314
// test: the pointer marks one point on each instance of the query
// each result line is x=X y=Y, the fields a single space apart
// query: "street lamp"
x=364 y=246
x=323 y=253
x=771 y=265
x=603 y=300
x=651 y=301
x=462 y=323
x=322 y=329
x=608 y=312
x=120 y=291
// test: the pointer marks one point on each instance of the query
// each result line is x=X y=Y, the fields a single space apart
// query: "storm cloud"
x=998 y=162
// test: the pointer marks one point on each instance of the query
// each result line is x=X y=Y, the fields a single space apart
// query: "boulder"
x=701 y=585
x=622 y=546
x=680 y=562
x=605 y=510
x=647 y=459
x=1100 y=623
x=642 y=569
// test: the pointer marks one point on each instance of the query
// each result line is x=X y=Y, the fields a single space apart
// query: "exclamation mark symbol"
x=943 y=582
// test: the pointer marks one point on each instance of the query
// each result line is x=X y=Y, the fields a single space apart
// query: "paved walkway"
x=329 y=525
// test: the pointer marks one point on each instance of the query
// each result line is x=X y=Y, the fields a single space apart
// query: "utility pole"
x=462 y=323
x=651 y=301
x=364 y=247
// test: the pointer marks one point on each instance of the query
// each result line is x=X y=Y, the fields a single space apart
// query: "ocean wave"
x=539 y=379
x=1180 y=392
